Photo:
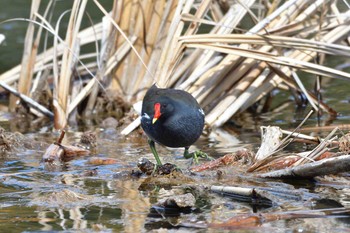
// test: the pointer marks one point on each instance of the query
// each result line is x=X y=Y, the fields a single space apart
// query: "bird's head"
x=162 y=110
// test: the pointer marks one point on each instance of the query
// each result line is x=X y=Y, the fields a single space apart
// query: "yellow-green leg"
x=154 y=152
x=195 y=155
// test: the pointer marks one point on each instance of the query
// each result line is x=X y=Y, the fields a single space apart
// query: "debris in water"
x=127 y=174
x=11 y=141
x=344 y=143
x=271 y=139
x=53 y=154
x=102 y=161
x=88 y=140
x=90 y=172
x=186 y=200
x=73 y=151
x=173 y=202
x=149 y=168
x=260 y=218
x=145 y=166
x=228 y=159
x=56 y=153
x=319 y=168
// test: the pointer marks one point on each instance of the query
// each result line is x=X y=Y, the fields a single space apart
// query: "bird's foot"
x=196 y=155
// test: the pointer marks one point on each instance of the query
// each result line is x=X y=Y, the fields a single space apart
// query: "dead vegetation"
x=328 y=156
x=205 y=47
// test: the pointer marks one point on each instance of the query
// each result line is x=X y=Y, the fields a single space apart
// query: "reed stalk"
x=28 y=58
x=228 y=68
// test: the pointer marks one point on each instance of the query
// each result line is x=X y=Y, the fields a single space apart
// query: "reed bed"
x=205 y=47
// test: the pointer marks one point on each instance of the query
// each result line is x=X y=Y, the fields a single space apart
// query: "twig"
x=300 y=135
x=28 y=100
x=131 y=126
x=60 y=138
x=319 y=168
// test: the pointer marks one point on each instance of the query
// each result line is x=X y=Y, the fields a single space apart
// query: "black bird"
x=172 y=118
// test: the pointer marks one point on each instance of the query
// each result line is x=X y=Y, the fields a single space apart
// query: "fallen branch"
x=258 y=219
x=27 y=100
x=319 y=168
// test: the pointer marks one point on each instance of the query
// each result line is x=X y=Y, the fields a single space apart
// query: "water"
x=14 y=31
x=83 y=196
x=86 y=197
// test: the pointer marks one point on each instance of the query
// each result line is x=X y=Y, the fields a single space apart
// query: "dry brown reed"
x=204 y=47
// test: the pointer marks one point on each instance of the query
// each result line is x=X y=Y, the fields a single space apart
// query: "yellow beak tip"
x=154 y=120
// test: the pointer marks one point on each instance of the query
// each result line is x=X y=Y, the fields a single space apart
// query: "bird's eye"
x=164 y=105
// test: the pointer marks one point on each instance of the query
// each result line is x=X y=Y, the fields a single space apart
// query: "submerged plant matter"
x=77 y=192
x=204 y=47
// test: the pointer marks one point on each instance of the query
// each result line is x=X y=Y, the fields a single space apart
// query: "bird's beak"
x=154 y=120
x=156 y=112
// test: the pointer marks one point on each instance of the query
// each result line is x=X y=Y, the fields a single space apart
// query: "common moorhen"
x=172 y=118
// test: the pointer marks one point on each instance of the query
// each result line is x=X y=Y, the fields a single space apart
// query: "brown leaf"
x=279 y=163
x=225 y=160
x=241 y=220
x=258 y=219
x=327 y=155
x=102 y=161
x=72 y=151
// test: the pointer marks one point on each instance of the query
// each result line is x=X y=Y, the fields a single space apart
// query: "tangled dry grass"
x=229 y=54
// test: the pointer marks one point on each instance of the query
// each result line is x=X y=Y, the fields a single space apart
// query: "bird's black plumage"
x=181 y=119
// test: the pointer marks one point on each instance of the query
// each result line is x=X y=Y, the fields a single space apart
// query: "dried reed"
x=191 y=45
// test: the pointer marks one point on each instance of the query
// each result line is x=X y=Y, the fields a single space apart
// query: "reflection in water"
x=223 y=141
x=77 y=217
x=135 y=207
x=100 y=201
x=44 y=220
x=78 y=222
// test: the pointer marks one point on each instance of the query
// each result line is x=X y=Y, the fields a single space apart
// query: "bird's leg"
x=154 y=152
x=195 y=155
